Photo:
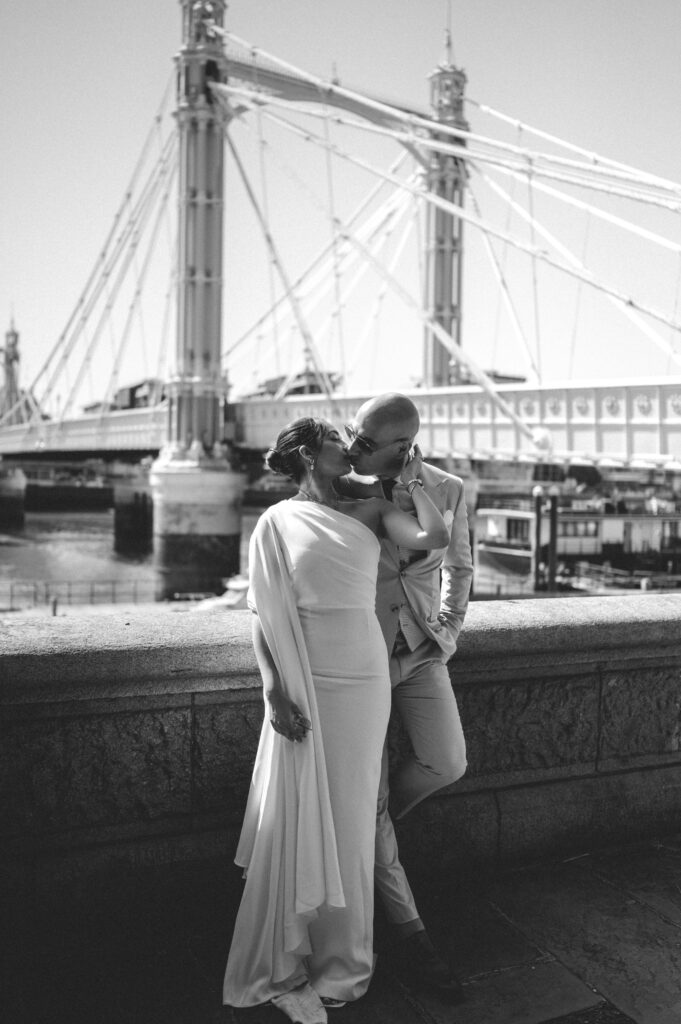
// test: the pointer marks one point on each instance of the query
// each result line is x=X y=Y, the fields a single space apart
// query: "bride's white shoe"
x=301 y=1005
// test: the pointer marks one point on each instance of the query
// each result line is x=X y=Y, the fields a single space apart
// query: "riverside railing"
x=130 y=739
x=16 y=595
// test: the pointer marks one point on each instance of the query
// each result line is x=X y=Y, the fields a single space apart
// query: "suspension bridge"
x=408 y=224
x=358 y=280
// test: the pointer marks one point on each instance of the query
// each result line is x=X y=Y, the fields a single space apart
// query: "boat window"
x=518 y=530
x=670 y=533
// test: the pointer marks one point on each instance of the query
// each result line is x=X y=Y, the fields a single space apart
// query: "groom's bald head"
x=382 y=433
x=391 y=409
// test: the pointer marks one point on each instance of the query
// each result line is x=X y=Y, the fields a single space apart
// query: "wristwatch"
x=411 y=484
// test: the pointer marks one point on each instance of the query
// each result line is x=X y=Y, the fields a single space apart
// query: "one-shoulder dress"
x=307 y=842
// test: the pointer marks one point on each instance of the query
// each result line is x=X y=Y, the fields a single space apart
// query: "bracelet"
x=415 y=481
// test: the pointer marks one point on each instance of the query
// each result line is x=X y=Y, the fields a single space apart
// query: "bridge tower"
x=444 y=231
x=12 y=478
x=9 y=392
x=196 y=495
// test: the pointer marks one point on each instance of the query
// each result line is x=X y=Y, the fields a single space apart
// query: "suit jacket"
x=436 y=587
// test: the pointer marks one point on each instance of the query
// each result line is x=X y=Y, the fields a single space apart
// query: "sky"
x=82 y=81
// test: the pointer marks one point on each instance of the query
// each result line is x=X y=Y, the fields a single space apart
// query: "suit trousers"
x=423 y=695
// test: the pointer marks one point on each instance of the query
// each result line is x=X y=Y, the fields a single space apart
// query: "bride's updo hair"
x=284 y=456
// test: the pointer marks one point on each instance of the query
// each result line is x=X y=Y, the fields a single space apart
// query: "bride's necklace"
x=333 y=503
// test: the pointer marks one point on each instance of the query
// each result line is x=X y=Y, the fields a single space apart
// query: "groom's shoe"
x=427 y=968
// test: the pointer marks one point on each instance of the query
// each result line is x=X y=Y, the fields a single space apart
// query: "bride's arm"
x=285 y=716
x=429 y=529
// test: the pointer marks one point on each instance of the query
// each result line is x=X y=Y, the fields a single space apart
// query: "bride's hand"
x=287 y=719
x=412 y=469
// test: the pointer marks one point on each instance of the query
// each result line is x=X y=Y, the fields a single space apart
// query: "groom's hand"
x=412 y=468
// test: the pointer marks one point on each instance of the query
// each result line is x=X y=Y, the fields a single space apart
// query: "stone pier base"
x=195 y=563
x=197 y=523
x=12 y=497
x=133 y=514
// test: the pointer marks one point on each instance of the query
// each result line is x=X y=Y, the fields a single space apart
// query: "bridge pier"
x=12 y=497
x=197 y=521
x=133 y=513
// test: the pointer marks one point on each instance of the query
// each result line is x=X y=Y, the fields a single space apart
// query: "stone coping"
x=121 y=653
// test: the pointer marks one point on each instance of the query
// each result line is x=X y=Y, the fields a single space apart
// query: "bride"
x=303 y=937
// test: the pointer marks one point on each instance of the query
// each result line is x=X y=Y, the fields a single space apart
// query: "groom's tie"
x=387 y=486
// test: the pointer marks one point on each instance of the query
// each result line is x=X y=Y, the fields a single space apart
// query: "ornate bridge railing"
x=126 y=429
x=617 y=420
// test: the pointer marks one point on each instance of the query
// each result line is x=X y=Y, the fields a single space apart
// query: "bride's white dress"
x=307 y=843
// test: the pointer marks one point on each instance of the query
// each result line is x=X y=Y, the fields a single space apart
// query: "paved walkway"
x=592 y=940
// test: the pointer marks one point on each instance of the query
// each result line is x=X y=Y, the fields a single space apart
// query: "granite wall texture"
x=130 y=738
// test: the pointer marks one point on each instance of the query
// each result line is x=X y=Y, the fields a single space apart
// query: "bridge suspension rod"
x=594 y=158
x=269 y=241
x=604 y=215
x=524 y=162
x=332 y=93
x=127 y=257
x=574 y=260
x=102 y=257
x=505 y=293
x=140 y=279
x=317 y=260
x=482 y=225
x=97 y=283
x=448 y=341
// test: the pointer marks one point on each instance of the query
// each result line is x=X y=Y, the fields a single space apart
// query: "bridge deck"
x=622 y=419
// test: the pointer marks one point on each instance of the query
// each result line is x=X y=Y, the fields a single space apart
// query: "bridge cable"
x=500 y=271
x=307 y=337
x=265 y=200
x=162 y=360
x=449 y=343
x=282 y=302
x=380 y=221
x=140 y=277
x=368 y=199
x=171 y=235
x=504 y=291
x=413 y=143
x=377 y=239
x=451 y=207
x=126 y=259
x=604 y=215
x=374 y=240
x=373 y=321
x=623 y=306
x=138 y=214
x=334 y=222
x=386 y=113
x=578 y=298
x=533 y=265
x=102 y=257
x=319 y=282
x=591 y=156
x=677 y=291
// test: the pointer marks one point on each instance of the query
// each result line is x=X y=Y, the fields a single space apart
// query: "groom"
x=421 y=602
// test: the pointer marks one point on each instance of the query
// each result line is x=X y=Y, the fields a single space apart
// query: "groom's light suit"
x=421 y=603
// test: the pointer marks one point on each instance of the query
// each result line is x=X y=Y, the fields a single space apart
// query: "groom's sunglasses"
x=365 y=444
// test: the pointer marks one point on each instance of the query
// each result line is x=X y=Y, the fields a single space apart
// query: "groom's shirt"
x=395 y=491
x=433 y=586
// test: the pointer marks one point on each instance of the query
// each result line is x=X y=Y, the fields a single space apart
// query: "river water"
x=70 y=556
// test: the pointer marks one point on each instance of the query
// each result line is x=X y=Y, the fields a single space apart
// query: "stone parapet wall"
x=130 y=738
